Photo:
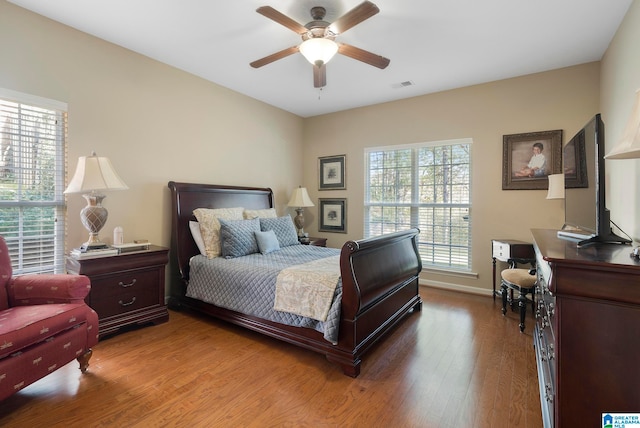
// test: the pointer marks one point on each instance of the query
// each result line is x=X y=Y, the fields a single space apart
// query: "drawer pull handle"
x=133 y=300
x=548 y=393
x=123 y=285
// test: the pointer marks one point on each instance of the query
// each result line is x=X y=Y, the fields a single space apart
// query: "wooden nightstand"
x=127 y=288
x=318 y=242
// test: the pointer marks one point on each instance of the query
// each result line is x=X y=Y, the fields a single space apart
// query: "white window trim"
x=459 y=141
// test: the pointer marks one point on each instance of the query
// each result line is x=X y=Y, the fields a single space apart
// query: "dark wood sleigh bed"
x=379 y=278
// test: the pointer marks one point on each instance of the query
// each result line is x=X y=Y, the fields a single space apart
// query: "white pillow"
x=197 y=237
x=264 y=213
x=210 y=226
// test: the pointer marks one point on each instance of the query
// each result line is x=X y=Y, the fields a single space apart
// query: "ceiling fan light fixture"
x=318 y=50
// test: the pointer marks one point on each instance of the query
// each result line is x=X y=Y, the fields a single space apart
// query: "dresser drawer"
x=501 y=250
x=546 y=377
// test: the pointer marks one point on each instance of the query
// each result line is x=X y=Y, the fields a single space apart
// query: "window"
x=32 y=172
x=424 y=186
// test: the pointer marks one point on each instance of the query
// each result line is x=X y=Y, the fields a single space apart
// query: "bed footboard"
x=379 y=287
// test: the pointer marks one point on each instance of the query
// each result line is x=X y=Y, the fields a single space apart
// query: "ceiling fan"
x=318 y=39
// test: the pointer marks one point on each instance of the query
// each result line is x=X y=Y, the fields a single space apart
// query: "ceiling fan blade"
x=355 y=16
x=319 y=76
x=362 y=55
x=281 y=19
x=274 y=57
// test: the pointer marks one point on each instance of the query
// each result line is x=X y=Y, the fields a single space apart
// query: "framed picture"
x=575 y=163
x=331 y=170
x=333 y=215
x=529 y=158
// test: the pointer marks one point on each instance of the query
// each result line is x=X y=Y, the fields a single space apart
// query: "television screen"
x=586 y=215
x=580 y=165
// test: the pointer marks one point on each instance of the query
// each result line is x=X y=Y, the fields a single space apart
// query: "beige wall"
x=146 y=116
x=154 y=122
x=620 y=78
x=561 y=99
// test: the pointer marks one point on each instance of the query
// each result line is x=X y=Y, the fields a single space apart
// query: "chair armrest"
x=47 y=288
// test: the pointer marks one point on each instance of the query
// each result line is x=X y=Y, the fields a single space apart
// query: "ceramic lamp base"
x=93 y=217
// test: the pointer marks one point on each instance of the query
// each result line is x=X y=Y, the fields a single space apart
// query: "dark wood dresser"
x=127 y=288
x=587 y=333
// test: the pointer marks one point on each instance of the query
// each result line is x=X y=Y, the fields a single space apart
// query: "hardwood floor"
x=458 y=363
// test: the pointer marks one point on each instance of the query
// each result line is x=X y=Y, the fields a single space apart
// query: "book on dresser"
x=79 y=254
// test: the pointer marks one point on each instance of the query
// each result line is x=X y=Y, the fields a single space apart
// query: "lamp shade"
x=628 y=147
x=556 y=186
x=94 y=173
x=318 y=50
x=300 y=198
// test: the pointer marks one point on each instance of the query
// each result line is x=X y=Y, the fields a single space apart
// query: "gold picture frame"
x=529 y=158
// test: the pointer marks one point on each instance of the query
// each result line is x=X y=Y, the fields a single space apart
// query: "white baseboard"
x=455 y=287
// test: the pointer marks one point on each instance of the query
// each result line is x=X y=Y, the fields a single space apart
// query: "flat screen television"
x=587 y=218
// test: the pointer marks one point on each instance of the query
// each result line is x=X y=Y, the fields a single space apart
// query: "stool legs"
x=522 y=303
x=503 y=292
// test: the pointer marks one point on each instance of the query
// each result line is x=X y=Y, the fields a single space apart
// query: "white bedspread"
x=308 y=289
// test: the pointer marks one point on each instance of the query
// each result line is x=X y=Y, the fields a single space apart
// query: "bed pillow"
x=238 y=237
x=267 y=242
x=265 y=213
x=283 y=228
x=197 y=237
x=208 y=219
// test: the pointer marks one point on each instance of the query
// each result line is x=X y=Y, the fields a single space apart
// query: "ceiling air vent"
x=402 y=84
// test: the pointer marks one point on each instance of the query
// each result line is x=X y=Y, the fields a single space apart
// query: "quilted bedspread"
x=247 y=285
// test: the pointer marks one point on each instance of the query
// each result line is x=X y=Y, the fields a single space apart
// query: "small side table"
x=512 y=252
x=126 y=288
x=317 y=242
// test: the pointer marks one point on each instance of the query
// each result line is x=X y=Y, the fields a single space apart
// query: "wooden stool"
x=524 y=282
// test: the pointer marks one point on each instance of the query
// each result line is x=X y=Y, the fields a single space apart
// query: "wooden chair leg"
x=84 y=360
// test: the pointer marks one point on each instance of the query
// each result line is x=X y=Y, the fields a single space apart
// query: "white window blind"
x=425 y=186
x=32 y=174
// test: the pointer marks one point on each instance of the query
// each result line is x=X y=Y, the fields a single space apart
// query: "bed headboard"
x=186 y=197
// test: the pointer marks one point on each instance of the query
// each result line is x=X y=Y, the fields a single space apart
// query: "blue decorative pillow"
x=238 y=237
x=283 y=228
x=267 y=242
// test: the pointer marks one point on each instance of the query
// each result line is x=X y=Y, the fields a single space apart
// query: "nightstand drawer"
x=133 y=281
x=125 y=302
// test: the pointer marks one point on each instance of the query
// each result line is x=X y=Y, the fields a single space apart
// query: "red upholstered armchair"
x=44 y=324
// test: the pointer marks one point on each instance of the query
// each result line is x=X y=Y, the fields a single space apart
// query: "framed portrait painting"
x=333 y=215
x=528 y=159
x=332 y=172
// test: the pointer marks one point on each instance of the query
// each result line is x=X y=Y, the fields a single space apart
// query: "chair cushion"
x=22 y=326
x=27 y=366
x=518 y=278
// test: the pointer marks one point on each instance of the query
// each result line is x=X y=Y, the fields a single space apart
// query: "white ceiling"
x=436 y=44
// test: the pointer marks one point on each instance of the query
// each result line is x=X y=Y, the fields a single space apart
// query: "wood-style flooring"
x=458 y=363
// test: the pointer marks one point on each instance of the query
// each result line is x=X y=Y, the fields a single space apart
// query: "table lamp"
x=300 y=199
x=93 y=175
x=556 y=186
